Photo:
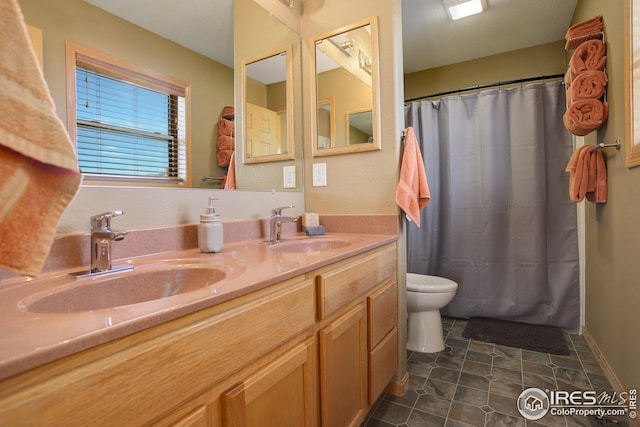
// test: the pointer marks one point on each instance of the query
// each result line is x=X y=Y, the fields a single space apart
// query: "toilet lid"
x=425 y=283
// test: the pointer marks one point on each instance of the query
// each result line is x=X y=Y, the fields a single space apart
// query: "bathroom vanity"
x=304 y=335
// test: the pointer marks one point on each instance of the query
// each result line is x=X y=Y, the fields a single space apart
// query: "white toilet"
x=426 y=295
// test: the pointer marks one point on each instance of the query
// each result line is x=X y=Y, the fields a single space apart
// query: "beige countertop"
x=29 y=339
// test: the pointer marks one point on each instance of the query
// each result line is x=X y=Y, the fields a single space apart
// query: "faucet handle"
x=103 y=220
x=278 y=211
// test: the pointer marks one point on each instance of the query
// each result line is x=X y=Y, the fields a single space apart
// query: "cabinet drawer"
x=383 y=362
x=382 y=312
x=342 y=285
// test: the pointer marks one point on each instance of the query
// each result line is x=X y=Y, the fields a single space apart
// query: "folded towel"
x=230 y=182
x=588 y=84
x=39 y=173
x=587 y=175
x=224 y=157
x=226 y=142
x=226 y=127
x=584 y=28
x=585 y=115
x=590 y=55
x=412 y=193
x=228 y=112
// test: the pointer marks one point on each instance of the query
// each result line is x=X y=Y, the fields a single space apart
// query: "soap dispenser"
x=210 y=237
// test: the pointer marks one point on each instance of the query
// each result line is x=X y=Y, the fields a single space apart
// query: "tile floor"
x=474 y=383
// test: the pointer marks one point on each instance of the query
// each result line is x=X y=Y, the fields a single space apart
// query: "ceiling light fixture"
x=457 y=9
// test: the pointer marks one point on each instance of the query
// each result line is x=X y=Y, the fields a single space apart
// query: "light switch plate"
x=319 y=174
x=289 y=177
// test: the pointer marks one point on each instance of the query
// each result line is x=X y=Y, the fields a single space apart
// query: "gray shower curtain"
x=500 y=222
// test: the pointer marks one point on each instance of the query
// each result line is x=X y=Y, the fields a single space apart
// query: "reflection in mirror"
x=360 y=125
x=326 y=126
x=268 y=109
x=345 y=64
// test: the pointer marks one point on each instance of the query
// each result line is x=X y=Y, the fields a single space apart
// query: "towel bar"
x=616 y=144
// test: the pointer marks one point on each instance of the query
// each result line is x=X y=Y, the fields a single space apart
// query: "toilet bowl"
x=426 y=295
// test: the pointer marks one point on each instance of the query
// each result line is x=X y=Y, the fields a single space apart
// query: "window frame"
x=79 y=55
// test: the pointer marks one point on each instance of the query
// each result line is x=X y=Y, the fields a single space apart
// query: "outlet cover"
x=319 y=174
x=289 y=177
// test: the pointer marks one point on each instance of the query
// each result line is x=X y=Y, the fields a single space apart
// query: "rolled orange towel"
x=590 y=55
x=585 y=115
x=588 y=84
x=590 y=26
x=226 y=127
x=226 y=142
x=224 y=157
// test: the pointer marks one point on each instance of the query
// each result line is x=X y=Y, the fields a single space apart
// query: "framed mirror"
x=345 y=67
x=268 y=101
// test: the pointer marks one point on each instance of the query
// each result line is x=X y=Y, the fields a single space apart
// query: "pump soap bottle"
x=210 y=237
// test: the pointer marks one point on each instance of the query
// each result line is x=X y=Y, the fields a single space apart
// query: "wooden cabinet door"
x=281 y=394
x=343 y=369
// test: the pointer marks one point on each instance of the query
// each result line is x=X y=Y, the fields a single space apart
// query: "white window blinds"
x=129 y=126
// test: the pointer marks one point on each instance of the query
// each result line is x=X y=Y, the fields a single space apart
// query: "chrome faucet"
x=276 y=223
x=101 y=237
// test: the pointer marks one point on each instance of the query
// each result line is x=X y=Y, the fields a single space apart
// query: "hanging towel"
x=230 y=182
x=38 y=168
x=412 y=193
x=587 y=175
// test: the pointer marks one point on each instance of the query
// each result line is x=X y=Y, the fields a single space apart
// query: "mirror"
x=325 y=120
x=163 y=41
x=268 y=112
x=360 y=126
x=346 y=72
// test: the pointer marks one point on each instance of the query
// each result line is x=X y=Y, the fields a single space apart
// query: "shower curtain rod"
x=485 y=86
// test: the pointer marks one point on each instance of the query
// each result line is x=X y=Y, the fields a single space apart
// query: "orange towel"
x=587 y=175
x=224 y=157
x=585 y=115
x=590 y=26
x=588 y=84
x=228 y=112
x=38 y=168
x=230 y=181
x=412 y=193
x=226 y=142
x=599 y=191
x=226 y=127
x=590 y=55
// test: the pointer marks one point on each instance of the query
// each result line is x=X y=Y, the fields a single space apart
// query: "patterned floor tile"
x=476 y=384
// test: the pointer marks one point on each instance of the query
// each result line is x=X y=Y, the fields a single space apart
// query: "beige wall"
x=362 y=182
x=78 y=21
x=546 y=59
x=613 y=229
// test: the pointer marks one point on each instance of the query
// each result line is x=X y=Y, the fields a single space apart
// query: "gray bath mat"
x=545 y=339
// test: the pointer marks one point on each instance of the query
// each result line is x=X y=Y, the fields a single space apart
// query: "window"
x=129 y=124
